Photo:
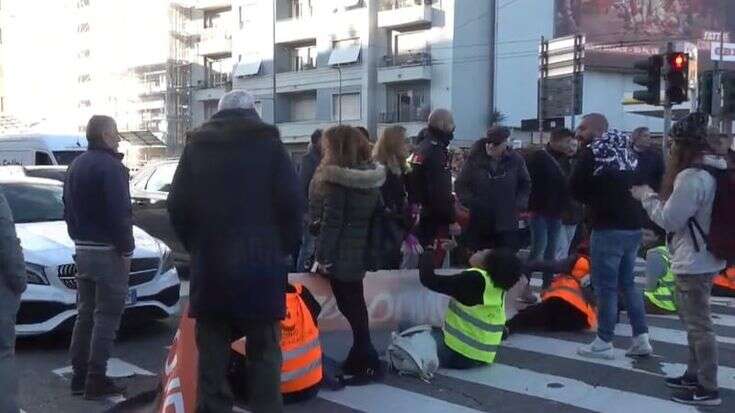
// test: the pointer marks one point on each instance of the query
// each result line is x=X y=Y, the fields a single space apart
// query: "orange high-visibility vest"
x=568 y=287
x=726 y=279
x=300 y=346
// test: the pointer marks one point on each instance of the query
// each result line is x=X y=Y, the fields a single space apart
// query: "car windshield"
x=66 y=157
x=34 y=202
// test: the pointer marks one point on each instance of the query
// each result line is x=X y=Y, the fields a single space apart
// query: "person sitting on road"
x=659 y=295
x=475 y=318
x=568 y=304
x=724 y=283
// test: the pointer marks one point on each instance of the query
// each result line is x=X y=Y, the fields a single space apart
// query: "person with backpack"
x=475 y=318
x=696 y=190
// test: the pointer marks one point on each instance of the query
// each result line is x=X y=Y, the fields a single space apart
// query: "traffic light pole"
x=668 y=107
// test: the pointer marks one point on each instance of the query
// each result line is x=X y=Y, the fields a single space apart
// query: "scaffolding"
x=179 y=77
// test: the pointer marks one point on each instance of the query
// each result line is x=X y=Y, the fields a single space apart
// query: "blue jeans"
x=613 y=256
x=566 y=236
x=544 y=236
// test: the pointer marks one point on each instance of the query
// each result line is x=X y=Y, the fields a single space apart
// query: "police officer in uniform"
x=430 y=179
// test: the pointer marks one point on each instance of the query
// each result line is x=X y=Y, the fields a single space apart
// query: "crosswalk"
x=542 y=371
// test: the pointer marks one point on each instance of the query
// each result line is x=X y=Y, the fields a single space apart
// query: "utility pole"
x=667 y=105
x=339 y=70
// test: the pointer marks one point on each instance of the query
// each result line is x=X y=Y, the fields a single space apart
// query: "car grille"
x=142 y=270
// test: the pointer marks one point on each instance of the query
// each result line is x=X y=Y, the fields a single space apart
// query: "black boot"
x=362 y=367
x=78 y=382
x=100 y=387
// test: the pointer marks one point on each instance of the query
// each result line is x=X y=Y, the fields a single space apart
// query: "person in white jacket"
x=688 y=191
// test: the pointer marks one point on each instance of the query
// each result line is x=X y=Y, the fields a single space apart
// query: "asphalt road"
x=533 y=373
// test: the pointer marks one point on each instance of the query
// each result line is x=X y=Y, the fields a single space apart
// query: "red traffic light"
x=679 y=61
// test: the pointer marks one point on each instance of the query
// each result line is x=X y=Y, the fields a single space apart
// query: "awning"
x=345 y=55
x=141 y=138
x=251 y=68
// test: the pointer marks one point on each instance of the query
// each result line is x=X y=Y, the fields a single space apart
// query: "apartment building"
x=372 y=63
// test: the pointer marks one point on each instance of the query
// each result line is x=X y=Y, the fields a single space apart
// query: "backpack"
x=721 y=238
x=413 y=352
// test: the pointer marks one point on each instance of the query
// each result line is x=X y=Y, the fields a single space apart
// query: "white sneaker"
x=641 y=347
x=598 y=349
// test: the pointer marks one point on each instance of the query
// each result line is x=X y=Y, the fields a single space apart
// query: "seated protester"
x=724 y=283
x=568 y=304
x=475 y=318
x=659 y=295
x=301 y=371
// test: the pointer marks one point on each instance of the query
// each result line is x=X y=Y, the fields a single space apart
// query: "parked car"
x=56 y=172
x=149 y=192
x=49 y=303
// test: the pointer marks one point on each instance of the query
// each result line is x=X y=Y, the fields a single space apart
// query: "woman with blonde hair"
x=391 y=151
x=342 y=199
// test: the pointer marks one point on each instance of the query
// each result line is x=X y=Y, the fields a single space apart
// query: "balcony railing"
x=411 y=115
x=407 y=59
x=384 y=5
x=217 y=79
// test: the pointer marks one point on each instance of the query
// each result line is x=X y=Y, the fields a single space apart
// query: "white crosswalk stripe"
x=383 y=398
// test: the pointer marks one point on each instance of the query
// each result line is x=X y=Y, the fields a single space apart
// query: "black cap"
x=498 y=134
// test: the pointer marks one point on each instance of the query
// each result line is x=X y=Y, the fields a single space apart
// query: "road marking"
x=565 y=390
x=666 y=335
x=724 y=320
x=381 y=398
x=568 y=350
x=116 y=369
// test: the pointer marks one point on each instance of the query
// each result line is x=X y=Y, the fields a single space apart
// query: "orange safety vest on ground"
x=726 y=279
x=300 y=346
x=568 y=287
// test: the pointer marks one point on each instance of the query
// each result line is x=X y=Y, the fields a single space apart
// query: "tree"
x=497 y=117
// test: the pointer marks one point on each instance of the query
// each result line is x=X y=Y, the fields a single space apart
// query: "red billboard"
x=619 y=30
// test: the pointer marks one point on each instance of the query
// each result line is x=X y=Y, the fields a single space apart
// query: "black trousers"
x=350 y=297
x=553 y=314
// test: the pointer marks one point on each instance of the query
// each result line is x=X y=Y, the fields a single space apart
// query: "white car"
x=49 y=303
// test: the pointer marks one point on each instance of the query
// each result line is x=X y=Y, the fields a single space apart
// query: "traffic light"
x=728 y=93
x=706 y=84
x=651 y=80
x=676 y=74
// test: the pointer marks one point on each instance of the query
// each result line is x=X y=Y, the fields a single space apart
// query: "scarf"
x=613 y=152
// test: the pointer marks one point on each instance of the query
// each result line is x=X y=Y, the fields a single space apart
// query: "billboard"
x=620 y=31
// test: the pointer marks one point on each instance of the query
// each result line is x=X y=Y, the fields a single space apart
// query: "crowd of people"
x=596 y=198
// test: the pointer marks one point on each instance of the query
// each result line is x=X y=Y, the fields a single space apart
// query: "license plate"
x=132 y=297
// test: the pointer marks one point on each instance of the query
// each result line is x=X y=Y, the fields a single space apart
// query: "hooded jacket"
x=12 y=264
x=693 y=196
x=236 y=204
x=343 y=201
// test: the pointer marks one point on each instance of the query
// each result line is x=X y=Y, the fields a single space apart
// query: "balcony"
x=405 y=67
x=151 y=89
x=212 y=4
x=396 y=14
x=409 y=115
x=215 y=41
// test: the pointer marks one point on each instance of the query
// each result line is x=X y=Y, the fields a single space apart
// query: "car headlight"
x=167 y=261
x=36 y=274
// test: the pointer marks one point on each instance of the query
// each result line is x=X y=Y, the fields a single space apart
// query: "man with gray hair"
x=99 y=219
x=651 y=166
x=236 y=205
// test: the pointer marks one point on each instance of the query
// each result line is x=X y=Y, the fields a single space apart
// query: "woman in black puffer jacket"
x=343 y=197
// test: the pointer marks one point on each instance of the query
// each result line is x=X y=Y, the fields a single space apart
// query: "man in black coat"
x=651 y=168
x=236 y=204
x=309 y=163
x=430 y=179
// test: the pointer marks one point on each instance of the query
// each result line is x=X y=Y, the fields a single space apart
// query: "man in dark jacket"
x=430 y=179
x=237 y=206
x=651 y=167
x=550 y=196
x=12 y=285
x=494 y=184
x=309 y=163
x=99 y=219
x=601 y=180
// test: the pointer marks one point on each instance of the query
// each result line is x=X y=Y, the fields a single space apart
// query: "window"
x=2 y=103
x=42 y=158
x=410 y=104
x=214 y=19
x=351 y=106
x=83 y=54
x=84 y=78
x=85 y=103
x=210 y=108
x=83 y=28
x=409 y=42
x=66 y=157
x=161 y=179
x=303 y=107
x=346 y=51
x=303 y=58
x=35 y=202
x=239 y=17
x=82 y=4
x=301 y=8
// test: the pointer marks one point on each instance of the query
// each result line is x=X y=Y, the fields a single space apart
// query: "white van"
x=40 y=149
